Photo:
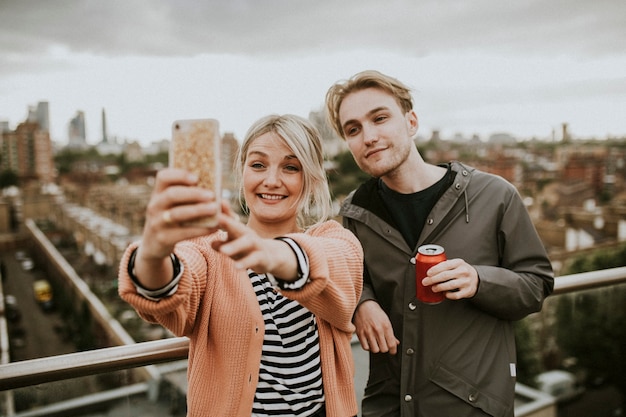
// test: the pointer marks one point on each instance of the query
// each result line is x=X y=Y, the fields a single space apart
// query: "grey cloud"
x=276 y=27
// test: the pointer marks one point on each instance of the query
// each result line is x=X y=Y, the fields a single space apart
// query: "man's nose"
x=370 y=134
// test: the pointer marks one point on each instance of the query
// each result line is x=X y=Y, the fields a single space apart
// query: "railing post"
x=153 y=389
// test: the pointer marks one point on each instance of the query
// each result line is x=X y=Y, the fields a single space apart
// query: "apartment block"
x=27 y=151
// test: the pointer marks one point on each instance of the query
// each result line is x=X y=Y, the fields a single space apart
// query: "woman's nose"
x=272 y=178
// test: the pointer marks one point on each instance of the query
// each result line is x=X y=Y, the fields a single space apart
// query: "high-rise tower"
x=40 y=115
x=76 y=131
x=105 y=138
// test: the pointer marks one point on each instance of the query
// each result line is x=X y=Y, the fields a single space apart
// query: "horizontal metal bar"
x=69 y=407
x=73 y=365
x=587 y=280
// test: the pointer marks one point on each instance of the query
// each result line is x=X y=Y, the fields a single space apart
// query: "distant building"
x=333 y=144
x=108 y=146
x=507 y=167
x=27 y=151
x=230 y=148
x=133 y=152
x=502 y=139
x=40 y=115
x=565 y=134
x=105 y=137
x=157 y=147
x=435 y=136
x=76 y=132
x=588 y=168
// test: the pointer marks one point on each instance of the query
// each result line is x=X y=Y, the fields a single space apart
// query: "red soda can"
x=428 y=256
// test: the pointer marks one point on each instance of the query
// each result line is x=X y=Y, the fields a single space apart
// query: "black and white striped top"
x=290 y=378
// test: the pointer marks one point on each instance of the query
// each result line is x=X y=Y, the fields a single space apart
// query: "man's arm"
x=373 y=328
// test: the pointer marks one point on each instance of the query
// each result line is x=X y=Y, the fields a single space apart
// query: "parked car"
x=43 y=294
x=11 y=309
x=27 y=264
x=17 y=336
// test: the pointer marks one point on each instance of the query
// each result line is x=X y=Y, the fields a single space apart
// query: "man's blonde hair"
x=366 y=79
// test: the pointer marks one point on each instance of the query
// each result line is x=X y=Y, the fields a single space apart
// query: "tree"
x=346 y=176
x=591 y=323
x=528 y=352
x=8 y=178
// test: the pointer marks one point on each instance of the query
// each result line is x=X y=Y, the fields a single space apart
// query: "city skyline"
x=485 y=68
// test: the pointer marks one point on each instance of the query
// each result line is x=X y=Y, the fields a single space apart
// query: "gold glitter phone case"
x=196 y=147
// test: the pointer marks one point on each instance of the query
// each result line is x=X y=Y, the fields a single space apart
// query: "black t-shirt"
x=409 y=211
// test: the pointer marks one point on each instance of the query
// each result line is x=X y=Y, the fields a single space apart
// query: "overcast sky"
x=476 y=67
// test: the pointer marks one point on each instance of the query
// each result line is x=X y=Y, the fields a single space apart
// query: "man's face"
x=377 y=131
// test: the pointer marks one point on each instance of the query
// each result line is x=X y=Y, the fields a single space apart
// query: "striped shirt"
x=290 y=377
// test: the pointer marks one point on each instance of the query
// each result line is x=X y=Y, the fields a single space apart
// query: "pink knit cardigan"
x=217 y=309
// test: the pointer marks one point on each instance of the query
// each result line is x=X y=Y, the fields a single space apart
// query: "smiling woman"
x=267 y=305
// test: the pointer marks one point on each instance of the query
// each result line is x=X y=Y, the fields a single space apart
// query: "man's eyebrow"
x=368 y=114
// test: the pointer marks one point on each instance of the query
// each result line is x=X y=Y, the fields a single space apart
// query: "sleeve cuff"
x=166 y=291
x=303 y=268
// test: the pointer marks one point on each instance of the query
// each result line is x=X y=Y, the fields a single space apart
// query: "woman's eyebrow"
x=250 y=153
x=263 y=154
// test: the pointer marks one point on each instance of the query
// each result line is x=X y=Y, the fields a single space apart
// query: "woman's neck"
x=272 y=230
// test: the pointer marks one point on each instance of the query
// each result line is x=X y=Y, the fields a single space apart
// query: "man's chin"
x=375 y=171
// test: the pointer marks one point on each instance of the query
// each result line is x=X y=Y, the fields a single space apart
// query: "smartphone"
x=196 y=147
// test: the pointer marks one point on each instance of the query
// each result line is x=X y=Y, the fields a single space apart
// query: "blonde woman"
x=267 y=305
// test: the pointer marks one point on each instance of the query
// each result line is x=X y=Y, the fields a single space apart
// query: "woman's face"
x=272 y=183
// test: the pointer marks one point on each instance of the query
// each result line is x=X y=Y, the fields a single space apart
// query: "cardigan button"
x=408 y=398
x=412 y=306
x=472 y=397
x=412 y=260
x=410 y=351
x=431 y=221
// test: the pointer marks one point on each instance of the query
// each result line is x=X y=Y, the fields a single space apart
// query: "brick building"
x=27 y=150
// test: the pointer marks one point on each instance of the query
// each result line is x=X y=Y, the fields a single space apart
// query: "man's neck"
x=414 y=176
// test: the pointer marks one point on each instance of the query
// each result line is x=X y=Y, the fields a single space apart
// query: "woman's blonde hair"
x=360 y=81
x=303 y=139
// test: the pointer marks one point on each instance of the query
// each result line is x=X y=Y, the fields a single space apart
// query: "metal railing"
x=73 y=365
